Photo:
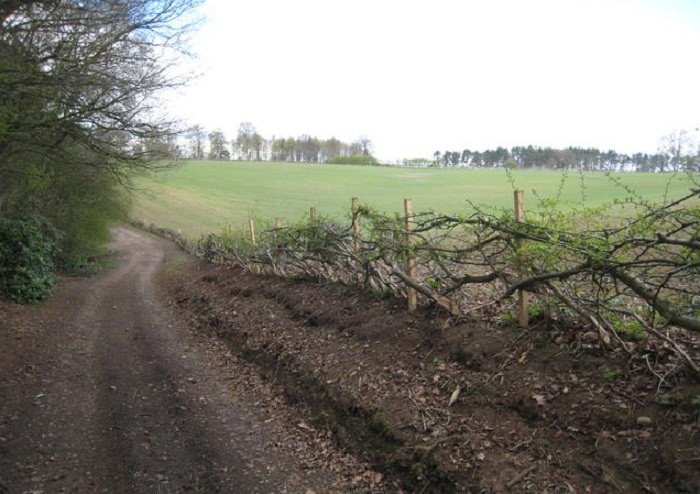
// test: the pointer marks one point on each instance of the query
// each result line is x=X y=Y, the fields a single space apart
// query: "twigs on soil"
x=520 y=476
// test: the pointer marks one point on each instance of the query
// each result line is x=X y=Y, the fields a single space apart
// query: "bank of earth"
x=442 y=405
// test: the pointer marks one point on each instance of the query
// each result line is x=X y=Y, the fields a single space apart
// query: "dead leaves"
x=454 y=395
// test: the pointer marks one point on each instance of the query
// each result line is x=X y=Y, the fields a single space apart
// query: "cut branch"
x=653 y=298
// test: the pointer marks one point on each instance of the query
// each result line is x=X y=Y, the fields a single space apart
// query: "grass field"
x=200 y=197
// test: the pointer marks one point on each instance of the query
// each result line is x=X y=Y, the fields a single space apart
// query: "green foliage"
x=78 y=84
x=168 y=233
x=27 y=249
x=216 y=247
x=667 y=399
x=84 y=213
x=630 y=330
x=611 y=374
x=361 y=159
x=434 y=283
x=535 y=311
x=507 y=320
x=79 y=201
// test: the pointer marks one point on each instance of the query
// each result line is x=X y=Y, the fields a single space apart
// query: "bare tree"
x=76 y=73
x=79 y=109
x=217 y=145
x=248 y=142
x=677 y=146
x=196 y=136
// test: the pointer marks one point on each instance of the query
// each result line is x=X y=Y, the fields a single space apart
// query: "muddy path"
x=102 y=390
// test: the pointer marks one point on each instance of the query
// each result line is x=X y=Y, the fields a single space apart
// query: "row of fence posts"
x=411 y=294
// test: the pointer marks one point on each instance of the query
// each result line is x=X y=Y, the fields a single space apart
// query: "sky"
x=417 y=77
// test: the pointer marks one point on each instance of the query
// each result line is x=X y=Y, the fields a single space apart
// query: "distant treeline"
x=678 y=151
x=249 y=145
x=587 y=159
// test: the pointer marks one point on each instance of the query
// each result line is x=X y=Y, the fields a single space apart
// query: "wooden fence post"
x=251 y=222
x=279 y=256
x=523 y=318
x=411 y=260
x=356 y=227
x=313 y=215
x=356 y=244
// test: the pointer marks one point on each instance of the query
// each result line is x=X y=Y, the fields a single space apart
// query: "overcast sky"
x=420 y=76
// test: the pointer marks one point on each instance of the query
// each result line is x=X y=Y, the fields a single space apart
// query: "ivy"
x=28 y=246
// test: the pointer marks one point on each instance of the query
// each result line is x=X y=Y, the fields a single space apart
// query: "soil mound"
x=448 y=406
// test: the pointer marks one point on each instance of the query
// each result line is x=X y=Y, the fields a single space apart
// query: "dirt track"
x=101 y=391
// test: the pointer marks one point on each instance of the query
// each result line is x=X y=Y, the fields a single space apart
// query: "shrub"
x=353 y=160
x=27 y=251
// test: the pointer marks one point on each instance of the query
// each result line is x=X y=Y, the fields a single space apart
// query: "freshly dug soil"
x=458 y=406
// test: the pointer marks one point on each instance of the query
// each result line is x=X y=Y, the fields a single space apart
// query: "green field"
x=200 y=197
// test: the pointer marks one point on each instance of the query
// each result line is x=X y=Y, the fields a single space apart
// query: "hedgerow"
x=627 y=270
